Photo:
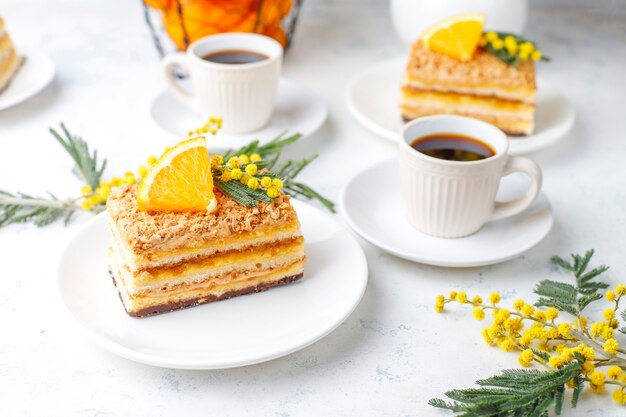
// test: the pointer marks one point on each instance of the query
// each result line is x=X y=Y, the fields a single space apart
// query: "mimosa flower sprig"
x=571 y=352
x=511 y=48
x=261 y=162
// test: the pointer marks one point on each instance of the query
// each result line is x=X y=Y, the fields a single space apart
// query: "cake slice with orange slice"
x=451 y=70
x=179 y=242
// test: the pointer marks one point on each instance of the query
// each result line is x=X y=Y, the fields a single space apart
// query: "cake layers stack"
x=484 y=88
x=9 y=60
x=167 y=261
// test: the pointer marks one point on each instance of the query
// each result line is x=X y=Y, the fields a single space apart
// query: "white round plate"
x=236 y=332
x=297 y=110
x=372 y=97
x=380 y=220
x=35 y=74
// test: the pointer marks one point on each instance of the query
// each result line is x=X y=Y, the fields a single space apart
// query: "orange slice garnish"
x=457 y=36
x=180 y=180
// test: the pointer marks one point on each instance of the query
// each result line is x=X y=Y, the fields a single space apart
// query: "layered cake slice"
x=164 y=260
x=484 y=88
x=493 y=81
x=10 y=61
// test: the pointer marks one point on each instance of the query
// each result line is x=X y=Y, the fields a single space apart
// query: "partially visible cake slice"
x=10 y=61
x=484 y=88
x=164 y=261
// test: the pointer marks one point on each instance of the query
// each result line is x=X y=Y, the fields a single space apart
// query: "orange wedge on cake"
x=457 y=36
x=180 y=180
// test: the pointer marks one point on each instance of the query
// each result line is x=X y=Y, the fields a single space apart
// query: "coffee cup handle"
x=168 y=62
x=511 y=208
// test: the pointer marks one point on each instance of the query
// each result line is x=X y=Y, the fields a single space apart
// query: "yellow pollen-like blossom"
x=611 y=346
x=588 y=367
x=266 y=182
x=518 y=304
x=497 y=44
x=251 y=169
x=461 y=298
x=526 y=357
x=556 y=361
x=552 y=313
x=610 y=295
x=236 y=174
x=540 y=315
x=495 y=298
x=564 y=329
x=527 y=310
x=479 y=313
x=536 y=55
x=506 y=344
x=272 y=192
x=255 y=157
x=614 y=372
x=609 y=314
x=491 y=36
x=477 y=300
x=86 y=190
x=244 y=158
x=618 y=396
x=597 y=378
x=453 y=295
x=608 y=333
x=234 y=162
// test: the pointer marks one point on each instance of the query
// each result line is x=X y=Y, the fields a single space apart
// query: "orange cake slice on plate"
x=163 y=260
x=10 y=61
x=481 y=85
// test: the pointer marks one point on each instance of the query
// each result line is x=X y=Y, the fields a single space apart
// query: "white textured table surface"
x=394 y=352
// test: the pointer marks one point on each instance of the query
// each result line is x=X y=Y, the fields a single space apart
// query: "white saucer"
x=35 y=74
x=379 y=218
x=372 y=97
x=241 y=331
x=298 y=109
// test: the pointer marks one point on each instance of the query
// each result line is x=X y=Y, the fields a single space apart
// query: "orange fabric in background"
x=207 y=17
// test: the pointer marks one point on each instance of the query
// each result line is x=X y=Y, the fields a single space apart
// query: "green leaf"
x=86 y=163
x=23 y=208
x=517 y=392
x=572 y=298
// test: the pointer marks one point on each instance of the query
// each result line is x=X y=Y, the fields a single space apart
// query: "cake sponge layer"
x=142 y=306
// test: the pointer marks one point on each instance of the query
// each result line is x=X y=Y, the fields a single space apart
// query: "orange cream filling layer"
x=507 y=92
x=223 y=266
x=202 y=291
x=449 y=102
x=141 y=261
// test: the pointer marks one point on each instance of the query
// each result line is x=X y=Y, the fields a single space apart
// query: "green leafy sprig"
x=532 y=393
x=86 y=167
x=572 y=298
x=516 y=393
x=23 y=208
x=509 y=50
x=271 y=166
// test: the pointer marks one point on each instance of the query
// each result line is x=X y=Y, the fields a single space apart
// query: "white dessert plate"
x=298 y=109
x=35 y=74
x=236 y=332
x=372 y=97
x=380 y=220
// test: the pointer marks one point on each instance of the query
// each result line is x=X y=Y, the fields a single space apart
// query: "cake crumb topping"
x=150 y=231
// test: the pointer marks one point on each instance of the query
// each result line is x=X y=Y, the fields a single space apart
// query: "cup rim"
x=463 y=119
x=218 y=36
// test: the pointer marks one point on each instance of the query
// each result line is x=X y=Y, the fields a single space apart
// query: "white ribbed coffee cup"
x=453 y=199
x=243 y=95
